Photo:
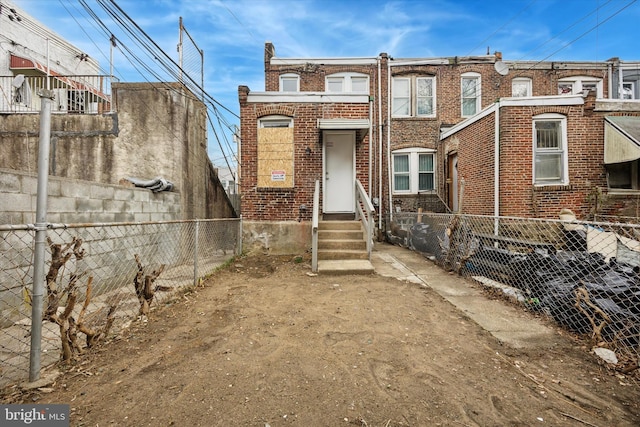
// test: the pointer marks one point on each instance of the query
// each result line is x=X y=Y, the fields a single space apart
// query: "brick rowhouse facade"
x=471 y=139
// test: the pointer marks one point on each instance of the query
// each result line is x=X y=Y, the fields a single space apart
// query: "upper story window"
x=413 y=170
x=414 y=96
x=521 y=87
x=347 y=83
x=289 y=83
x=550 y=150
x=578 y=85
x=628 y=90
x=470 y=85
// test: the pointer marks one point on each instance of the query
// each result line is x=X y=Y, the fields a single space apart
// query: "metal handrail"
x=314 y=228
x=366 y=212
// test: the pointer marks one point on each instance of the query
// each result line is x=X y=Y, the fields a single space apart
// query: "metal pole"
x=41 y=234
x=112 y=44
x=180 y=51
x=202 y=72
x=48 y=78
x=195 y=254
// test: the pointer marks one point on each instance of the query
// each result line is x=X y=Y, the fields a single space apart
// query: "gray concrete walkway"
x=509 y=324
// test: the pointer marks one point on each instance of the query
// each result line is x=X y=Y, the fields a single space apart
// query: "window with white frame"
x=425 y=96
x=579 y=85
x=413 y=170
x=470 y=94
x=628 y=90
x=347 y=83
x=276 y=122
x=550 y=150
x=413 y=97
x=521 y=87
x=401 y=103
x=289 y=83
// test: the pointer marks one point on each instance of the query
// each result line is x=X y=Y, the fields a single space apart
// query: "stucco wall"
x=277 y=237
x=159 y=129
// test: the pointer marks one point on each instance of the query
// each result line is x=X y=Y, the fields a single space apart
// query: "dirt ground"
x=264 y=342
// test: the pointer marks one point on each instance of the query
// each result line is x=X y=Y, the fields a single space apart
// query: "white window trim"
x=527 y=81
x=413 y=169
x=433 y=96
x=413 y=96
x=393 y=97
x=478 y=77
x=564 y=150
x=633 y=89
x=346 y=83
x=273 y=120
x=289 y=76
x=578 y=81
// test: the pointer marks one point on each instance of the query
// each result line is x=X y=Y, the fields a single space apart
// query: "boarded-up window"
x=275 y=153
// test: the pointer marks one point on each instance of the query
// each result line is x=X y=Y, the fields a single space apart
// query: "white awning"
x=345 y=124
x=621 y=139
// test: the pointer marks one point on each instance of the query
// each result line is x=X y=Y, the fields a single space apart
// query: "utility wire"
x=155 y=53
x=583 y=34
x=503 y=25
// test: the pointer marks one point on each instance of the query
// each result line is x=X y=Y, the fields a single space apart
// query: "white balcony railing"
x=72 y=94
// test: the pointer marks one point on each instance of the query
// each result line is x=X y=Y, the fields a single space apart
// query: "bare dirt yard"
x=265 y=343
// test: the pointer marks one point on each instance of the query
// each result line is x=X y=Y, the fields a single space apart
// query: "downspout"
x=389 y=141
x=370 y=143
x=379 y=146
x=496 y=168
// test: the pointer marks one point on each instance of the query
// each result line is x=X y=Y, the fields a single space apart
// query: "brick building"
x=414 y=130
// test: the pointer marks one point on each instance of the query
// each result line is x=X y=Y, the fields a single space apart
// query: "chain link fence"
x=585 y=275
x=99 y=278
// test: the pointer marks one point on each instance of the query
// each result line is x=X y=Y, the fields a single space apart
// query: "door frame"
x=325 y=193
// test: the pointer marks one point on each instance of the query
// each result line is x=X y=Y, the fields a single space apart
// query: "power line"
x=156 y=55
x=501 y=27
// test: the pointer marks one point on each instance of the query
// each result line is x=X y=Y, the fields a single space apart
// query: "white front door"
x=339 y=171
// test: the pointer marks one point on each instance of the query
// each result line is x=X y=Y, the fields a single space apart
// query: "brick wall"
x=518 y=196
x=474 y=144
x=283 y=204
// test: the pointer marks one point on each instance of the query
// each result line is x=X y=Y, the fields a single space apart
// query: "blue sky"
x=232 y=33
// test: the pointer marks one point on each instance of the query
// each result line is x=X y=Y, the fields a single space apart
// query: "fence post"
x=41 y=235
x=195 y=254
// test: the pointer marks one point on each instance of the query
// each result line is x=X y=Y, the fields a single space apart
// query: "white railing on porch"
x=366 y=213
x=72 y=94
x=314 y=228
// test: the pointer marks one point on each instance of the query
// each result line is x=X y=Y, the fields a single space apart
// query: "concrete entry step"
x=345 y=266
x=342 y=254
x=341 y=244
x=340 y=225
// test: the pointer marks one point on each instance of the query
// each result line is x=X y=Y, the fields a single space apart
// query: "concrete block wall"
x=72 y=201
x=109 y=250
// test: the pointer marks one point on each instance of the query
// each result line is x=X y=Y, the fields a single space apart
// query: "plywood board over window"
x=275 y=157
